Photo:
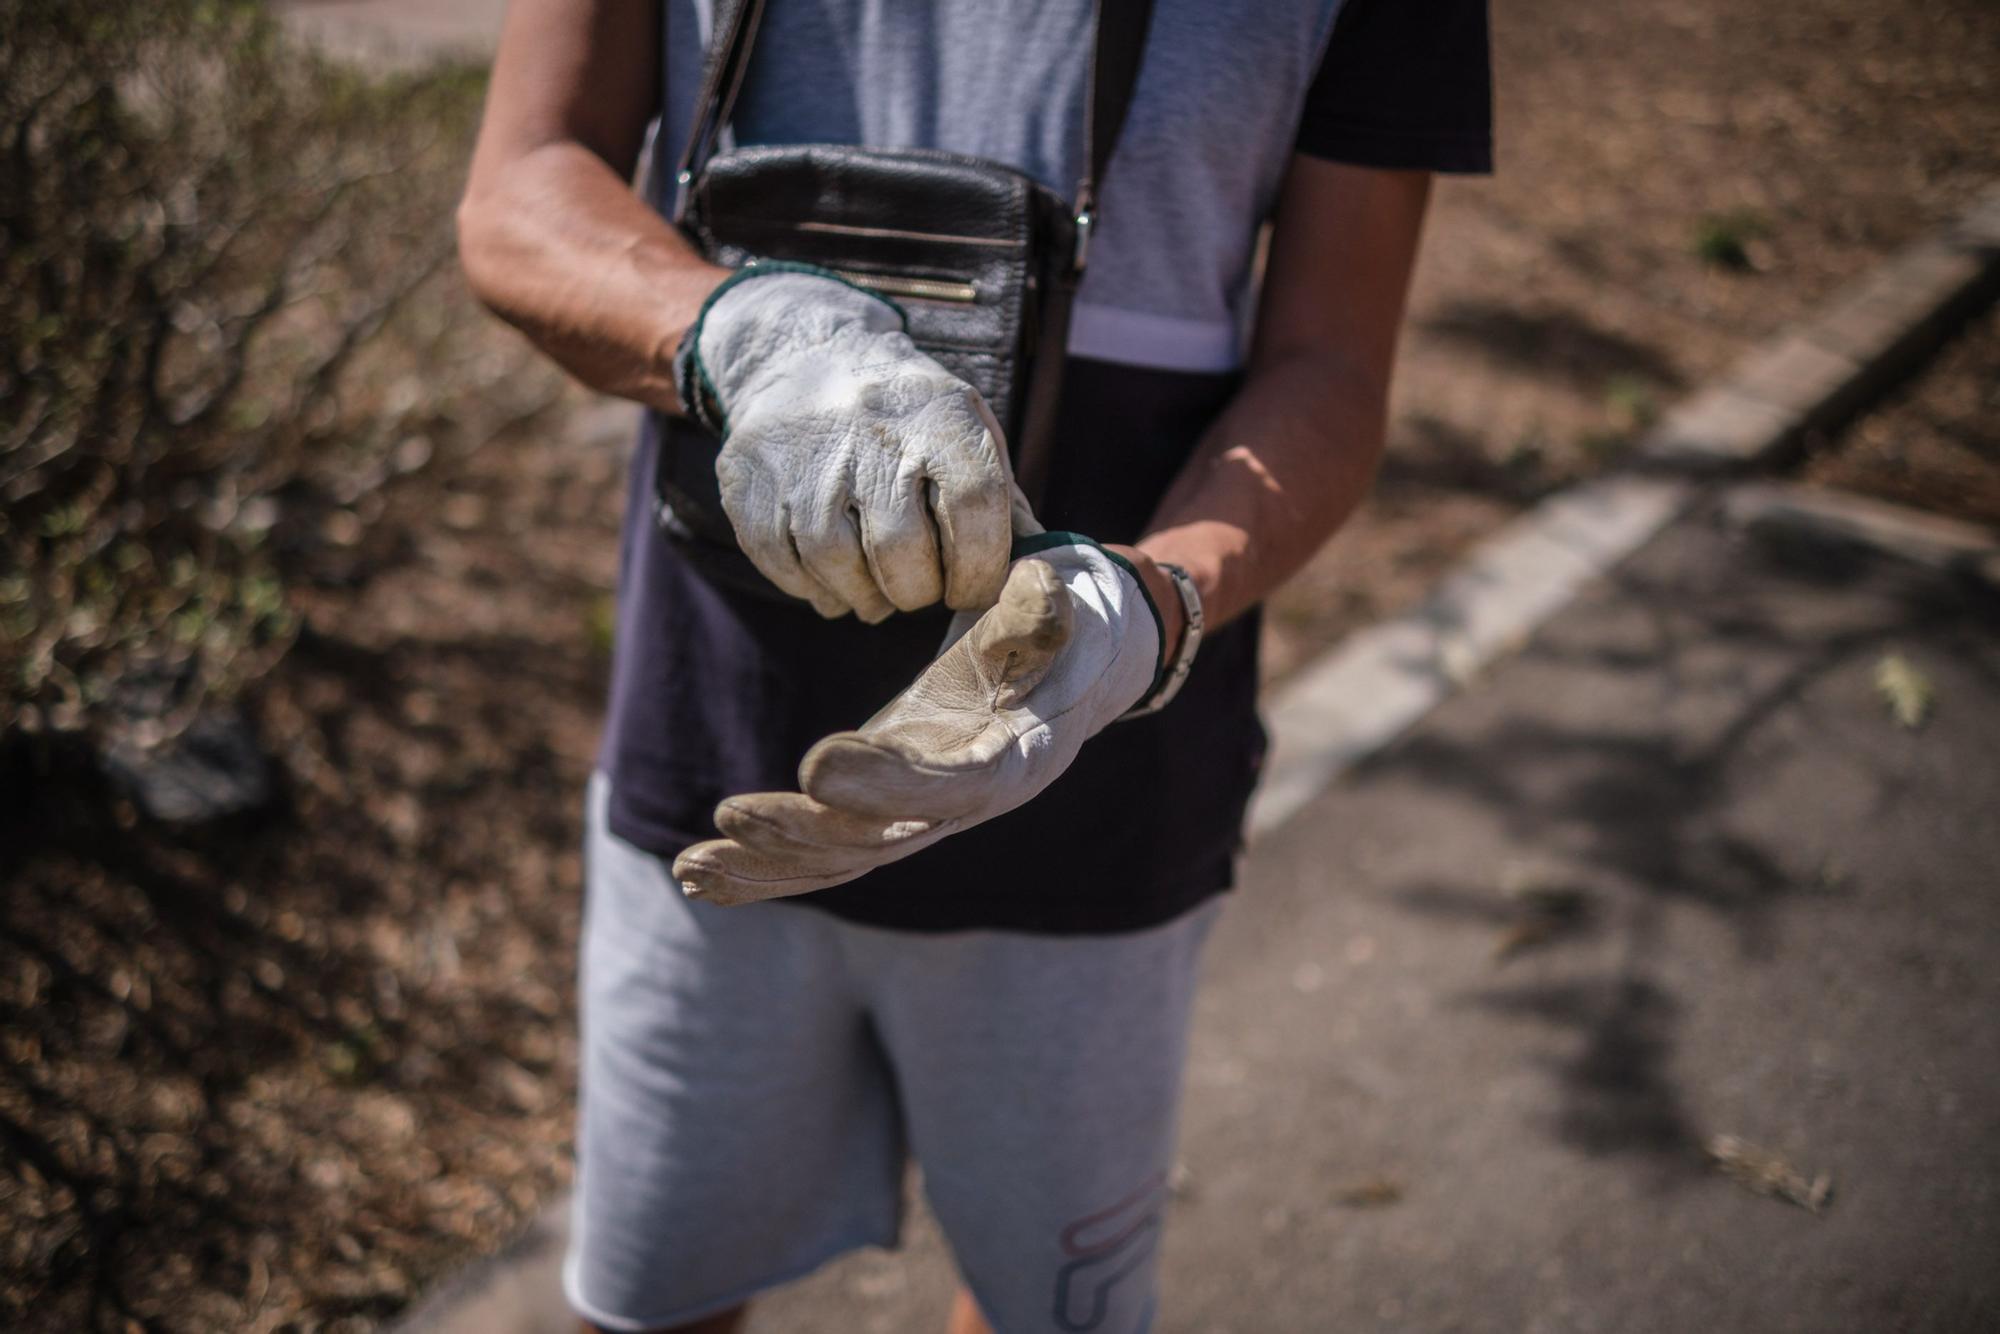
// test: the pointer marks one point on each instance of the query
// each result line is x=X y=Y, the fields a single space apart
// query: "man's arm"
x=551 y=235
x=1294 y=453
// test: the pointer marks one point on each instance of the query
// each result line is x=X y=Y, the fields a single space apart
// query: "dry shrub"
x=228 y=321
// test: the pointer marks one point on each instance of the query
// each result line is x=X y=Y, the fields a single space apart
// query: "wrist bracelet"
x=1177 y=673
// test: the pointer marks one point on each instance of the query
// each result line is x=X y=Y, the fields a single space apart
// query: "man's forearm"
x=558 y=246
x=1279 y=471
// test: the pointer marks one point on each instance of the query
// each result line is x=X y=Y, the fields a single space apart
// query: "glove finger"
x=778 y=560
x=793 y=824
x=763 y=525
x=1014 y=645
x=911 y=770
x=932 y=753
x=803 y=584
x=829 y=546
x=901 y=545
x=725 y=872
x=973 y=507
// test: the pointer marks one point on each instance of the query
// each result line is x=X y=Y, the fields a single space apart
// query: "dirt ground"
x=295 y=1068
x=284 y=1076
x=1935 y=444
x=1675 y=181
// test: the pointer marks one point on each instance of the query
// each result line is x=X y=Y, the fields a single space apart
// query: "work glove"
x=858 y=473
x=1072 y=644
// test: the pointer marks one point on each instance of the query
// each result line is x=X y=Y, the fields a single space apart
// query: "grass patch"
x=1729 y=240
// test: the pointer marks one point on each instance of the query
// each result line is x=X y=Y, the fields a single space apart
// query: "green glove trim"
x=1040 y=542
x=697 y=389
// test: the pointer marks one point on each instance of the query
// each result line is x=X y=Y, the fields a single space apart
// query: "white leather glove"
x=1072 y=644
x=859 y=474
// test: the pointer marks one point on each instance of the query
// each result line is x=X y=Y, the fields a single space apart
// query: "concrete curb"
x=1793 y=513
x=1373 y=686
x=516 y=1290
x=1819 y=374
x=1369 y=689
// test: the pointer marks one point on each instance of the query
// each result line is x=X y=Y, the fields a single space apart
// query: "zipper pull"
x=1086 y=223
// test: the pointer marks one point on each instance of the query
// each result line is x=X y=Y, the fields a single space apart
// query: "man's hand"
x=859 y=474
x=1072 y=643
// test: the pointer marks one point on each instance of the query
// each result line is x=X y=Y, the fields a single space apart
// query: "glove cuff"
x=1172 y=676
x=1040 y=542
x=700 y=398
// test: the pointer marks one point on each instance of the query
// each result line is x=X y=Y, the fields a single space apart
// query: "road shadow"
x=1619 y=1094
x=1554 y=344
x=1430 y=455
x=1634 y=805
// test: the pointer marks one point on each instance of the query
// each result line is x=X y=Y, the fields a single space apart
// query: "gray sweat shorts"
x=754 y=1079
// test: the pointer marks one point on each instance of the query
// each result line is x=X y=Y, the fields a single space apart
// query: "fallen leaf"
x=1543 y=912
x=1905 y=689
x=1763 y=1172
x=1373 y=1193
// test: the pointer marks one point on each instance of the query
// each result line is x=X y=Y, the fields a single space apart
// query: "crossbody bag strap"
x=733 y=33
x=1118 y=46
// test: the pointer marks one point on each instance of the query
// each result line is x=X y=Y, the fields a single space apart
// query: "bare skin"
x=1295 y=451
x=554 y=240
x=965 y=1317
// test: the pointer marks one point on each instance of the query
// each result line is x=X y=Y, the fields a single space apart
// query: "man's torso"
x=1197 y=168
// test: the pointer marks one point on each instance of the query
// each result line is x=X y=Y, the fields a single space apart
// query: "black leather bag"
x=983 y=259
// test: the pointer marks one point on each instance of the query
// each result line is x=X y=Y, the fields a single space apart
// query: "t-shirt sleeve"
x=1404 y=84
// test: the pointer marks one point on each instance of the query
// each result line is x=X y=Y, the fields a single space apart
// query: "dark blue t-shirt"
x=716 y=692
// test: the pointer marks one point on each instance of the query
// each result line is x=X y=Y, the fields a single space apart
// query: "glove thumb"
x=1015 y=642
x=928 y=753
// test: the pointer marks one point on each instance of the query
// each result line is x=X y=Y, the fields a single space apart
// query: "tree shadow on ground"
x=1556 y=344
x=1619 y=1095
x=1430 y=455
x=1636 y=812
x=211 y=1029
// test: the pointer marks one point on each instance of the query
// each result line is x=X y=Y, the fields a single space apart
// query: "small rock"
x=1763 y=1172
x=1372 y=1193
x=212 y=770
x=1542 y=913
x=1905 y=690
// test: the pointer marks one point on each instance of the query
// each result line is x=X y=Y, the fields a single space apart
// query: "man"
x=997 y=887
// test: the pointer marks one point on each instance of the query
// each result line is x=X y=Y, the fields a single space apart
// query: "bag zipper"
x=921 y=289
x=903 y=234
